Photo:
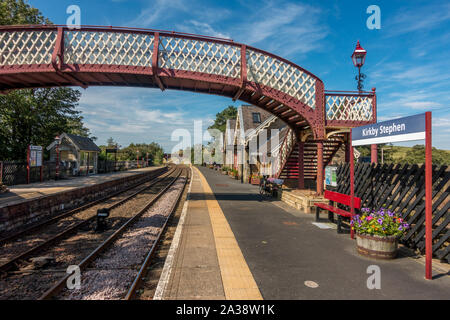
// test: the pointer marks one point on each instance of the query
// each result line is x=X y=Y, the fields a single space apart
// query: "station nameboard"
x=398 y=130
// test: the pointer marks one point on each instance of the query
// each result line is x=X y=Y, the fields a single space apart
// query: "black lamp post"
x=358 y=58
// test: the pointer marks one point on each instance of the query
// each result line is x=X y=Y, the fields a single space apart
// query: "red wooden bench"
x=338 y=198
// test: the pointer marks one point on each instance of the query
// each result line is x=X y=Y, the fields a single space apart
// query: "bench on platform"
x=338 y=198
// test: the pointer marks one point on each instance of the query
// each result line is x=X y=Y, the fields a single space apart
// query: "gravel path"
x=111 y=275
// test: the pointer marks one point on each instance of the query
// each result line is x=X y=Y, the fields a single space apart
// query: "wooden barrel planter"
x=377 y=247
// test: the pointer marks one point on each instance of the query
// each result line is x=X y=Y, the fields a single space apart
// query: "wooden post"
x=87 y=167
x=301 y=166
x=428 y=198
x=57 y=162
x=319 y=168
x=28 y=164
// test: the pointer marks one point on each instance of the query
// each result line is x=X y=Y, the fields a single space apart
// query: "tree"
x=416 y=155
x=154 y=150
x=34 y=116
x=18 y=12
x=221 y=118
x=111 y=143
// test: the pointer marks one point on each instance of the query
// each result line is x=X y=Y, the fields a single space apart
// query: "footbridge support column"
x=301 y=167
x=348 y=152
x=320 y=170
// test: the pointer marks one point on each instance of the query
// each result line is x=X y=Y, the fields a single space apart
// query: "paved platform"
x=278 y=253
x=208 y=263
x=21 y=193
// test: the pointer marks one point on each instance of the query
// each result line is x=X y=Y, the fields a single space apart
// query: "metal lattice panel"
x=282 y=76
x=26 y=47
x=200 y=56
x=353 y=108
x=110 y=48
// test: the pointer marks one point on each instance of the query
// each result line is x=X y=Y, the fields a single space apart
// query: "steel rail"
x=72 y=212
x=94 y=254
x=60 y=236
x=137 y=281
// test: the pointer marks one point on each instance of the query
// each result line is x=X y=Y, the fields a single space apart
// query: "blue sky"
x=408 y=58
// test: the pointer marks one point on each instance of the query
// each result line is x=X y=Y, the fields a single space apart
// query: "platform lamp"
x=358 y=58
x=58 y=142
x=137 y=155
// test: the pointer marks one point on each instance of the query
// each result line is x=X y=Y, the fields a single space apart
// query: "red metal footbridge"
x=52 y=56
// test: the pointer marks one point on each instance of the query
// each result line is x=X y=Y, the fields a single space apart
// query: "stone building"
x=250 y=122
x=79 y=154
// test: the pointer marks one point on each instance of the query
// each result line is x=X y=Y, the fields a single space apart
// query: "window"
x=256 y=118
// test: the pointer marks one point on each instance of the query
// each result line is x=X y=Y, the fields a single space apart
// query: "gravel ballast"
x=110 y=276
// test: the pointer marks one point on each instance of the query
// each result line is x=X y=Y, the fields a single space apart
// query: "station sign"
x=35 y=159
x=331 y=176
x=398 y=130
x=418 y=127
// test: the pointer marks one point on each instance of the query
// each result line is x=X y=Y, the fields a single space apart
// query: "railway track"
x=115 y=269
x=21 y=280
x=150 y=271
x=22 y=245
x=37 y=226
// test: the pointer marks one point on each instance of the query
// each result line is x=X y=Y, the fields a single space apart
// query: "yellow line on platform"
x=237 y=279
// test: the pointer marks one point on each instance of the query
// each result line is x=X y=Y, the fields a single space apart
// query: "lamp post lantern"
x=58 y=141
x=358 y=58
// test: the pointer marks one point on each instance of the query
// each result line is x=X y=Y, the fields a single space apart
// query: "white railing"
x=275 y=73
x=110 y=48
x=253 y=133
x=26 y=47
x=349 y=108
x=200 y=56
x=286 y=149
x=135 y=48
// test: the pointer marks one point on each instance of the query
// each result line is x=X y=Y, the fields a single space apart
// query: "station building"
x=79 y=154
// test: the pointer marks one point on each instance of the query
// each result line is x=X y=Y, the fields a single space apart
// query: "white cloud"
x=150 y=16
x=418 y=19
x=283 y=28
x=201 y=28
x=145 y=115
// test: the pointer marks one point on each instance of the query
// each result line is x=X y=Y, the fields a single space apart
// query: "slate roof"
x=83 y=143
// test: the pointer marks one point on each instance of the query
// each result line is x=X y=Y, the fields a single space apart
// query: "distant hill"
x=412 y=155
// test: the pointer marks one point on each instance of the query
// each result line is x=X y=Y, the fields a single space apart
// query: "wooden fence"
x=401 y=188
